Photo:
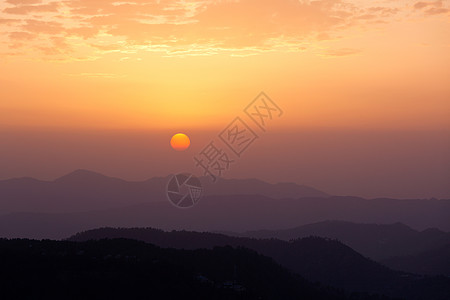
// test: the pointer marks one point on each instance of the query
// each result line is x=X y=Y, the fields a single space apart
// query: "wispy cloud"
x=20 y=35
x=195 y=27
x=97 y=75
x=432 y=7
x=18 y=2
x=341 y=52
x=27 y=9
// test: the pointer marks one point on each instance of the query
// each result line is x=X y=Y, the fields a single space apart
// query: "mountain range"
x=236 y=213
x=84 y=190
x=377 y=241
x=316 y=259
x=394 y=247
x=127 y=269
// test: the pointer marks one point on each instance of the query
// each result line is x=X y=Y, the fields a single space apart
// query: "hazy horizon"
x=366 y=163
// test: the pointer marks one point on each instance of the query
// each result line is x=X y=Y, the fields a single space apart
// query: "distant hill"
x=377 y=241
x=84 y=190
x=317 y=259
x=80 y=190
x=235 y=213
x=258 y=187
x=432 y=262
x=126 y=269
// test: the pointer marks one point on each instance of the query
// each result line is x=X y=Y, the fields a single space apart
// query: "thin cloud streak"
x=198 y=26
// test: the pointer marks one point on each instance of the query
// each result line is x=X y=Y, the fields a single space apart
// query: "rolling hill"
x=127 y=269
x=431 y=262
x=84 y=190
x=236 y=213
x=327 y=261
x=377 y=241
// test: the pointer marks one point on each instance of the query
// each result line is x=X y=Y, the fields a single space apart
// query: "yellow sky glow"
x=196 y=64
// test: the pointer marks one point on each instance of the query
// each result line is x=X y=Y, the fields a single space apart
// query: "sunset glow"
x=161 y=64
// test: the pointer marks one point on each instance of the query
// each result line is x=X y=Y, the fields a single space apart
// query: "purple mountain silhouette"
x=84 y=190
x=377 y=241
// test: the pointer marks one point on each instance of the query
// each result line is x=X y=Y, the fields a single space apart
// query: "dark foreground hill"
x=327 y=261
x=127 y=269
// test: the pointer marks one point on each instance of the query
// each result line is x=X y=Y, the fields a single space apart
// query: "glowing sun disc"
x=180 y=142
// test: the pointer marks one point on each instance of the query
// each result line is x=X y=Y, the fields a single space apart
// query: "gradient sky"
x=355 y=69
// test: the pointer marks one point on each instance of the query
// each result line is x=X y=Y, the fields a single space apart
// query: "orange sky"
x=103 y=85
x=195 y=64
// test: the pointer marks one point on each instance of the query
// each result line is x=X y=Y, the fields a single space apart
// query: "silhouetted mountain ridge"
x=259 y=187
x=213 y=213
x=127 y=269
x=84 y=190
x=377 y=241
x=431 y=262
x=82 y=176
x=316 y=259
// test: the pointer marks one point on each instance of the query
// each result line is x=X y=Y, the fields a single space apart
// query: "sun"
x=180 y=142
